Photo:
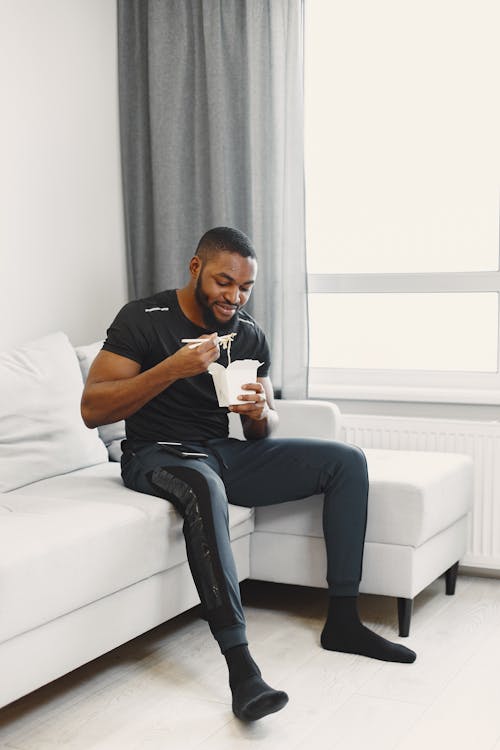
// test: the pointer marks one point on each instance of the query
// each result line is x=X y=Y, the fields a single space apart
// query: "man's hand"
x=257 y=413
x=254 y=404
x=193 y=359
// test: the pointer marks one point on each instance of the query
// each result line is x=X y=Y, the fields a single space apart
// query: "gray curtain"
x=211 y=113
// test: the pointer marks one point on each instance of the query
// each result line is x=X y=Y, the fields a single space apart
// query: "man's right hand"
x=193 y=359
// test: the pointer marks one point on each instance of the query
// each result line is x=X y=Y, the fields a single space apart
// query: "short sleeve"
x=126 y=336
x=263 y=354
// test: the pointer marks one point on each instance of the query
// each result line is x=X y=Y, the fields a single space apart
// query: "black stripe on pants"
x=198 y=494
x=188 y=491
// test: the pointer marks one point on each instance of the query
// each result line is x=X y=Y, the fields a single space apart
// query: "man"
x=161 y=387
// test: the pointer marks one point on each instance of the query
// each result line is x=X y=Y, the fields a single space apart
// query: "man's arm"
x=116 y=387
x=258 y=415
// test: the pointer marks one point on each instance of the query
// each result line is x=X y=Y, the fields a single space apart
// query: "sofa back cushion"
x=111 y=434
x=42 y=433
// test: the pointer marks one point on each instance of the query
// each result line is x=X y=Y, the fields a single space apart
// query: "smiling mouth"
x=227 y=309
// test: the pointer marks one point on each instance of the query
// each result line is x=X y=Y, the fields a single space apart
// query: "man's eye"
x=223 y=283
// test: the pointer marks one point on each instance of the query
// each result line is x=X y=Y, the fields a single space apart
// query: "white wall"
x=62 y=258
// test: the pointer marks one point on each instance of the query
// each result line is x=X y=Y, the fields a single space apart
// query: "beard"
x=212 y=323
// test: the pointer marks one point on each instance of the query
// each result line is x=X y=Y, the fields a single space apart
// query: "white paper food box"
x=228 y=380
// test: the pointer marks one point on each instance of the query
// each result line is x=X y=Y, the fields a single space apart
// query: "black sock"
x=252 y=697
x=345 y=632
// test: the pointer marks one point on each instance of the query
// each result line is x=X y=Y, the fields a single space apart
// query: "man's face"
x=224 y=284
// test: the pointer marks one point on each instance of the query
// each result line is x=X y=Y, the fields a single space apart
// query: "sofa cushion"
x=72 y=539
x=416 y=494
x=42 y=431
x=110 y=434
x=413 y=496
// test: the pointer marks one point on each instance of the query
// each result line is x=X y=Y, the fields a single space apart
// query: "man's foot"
x=367 y=643
x=345 y=632
x=252 y=697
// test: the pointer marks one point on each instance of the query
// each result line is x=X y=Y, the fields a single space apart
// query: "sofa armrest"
x=306 y=418
x=313 y=419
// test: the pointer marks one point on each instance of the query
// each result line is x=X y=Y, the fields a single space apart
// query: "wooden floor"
x=168 y=688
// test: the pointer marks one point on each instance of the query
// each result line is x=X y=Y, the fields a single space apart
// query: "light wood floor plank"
x=168 y=688
x=365 y=722
x=465 y=714
x=451 y=636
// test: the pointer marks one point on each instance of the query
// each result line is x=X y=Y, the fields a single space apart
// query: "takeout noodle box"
x=228 y=380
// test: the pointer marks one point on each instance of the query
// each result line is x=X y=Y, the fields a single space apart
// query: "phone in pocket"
x=176 y=450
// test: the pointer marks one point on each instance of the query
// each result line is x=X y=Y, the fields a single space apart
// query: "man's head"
x=225 y=240
x=223 y=272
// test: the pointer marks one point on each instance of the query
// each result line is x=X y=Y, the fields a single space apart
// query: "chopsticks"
x=224 y=340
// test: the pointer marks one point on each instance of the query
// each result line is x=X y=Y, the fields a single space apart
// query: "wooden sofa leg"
x=451 y=579
x=405 y=608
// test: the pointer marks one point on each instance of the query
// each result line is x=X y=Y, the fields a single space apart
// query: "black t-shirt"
x=147 y=331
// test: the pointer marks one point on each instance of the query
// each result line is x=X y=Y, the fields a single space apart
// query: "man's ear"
x=195 y=265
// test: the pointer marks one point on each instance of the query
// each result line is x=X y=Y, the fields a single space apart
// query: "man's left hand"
x=254 y=404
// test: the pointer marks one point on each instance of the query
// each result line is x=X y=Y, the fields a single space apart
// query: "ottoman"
x=417 y=529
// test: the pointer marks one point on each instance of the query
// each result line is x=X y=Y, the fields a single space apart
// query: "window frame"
x=406 y=385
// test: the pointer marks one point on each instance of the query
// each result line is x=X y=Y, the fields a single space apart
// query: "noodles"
x=226 y=341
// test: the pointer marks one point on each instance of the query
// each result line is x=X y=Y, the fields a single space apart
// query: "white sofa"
x=86 y=564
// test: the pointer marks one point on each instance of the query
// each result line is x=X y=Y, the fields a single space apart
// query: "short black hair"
x=225 y=240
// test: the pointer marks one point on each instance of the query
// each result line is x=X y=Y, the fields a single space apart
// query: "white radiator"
x=481 y=440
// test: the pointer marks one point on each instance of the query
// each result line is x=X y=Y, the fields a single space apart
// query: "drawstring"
x=222 y=464
x=220 y=460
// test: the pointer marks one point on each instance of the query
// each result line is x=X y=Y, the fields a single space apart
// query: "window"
x=403 y=198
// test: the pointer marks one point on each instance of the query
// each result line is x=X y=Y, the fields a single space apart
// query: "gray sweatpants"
x=251 y=474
